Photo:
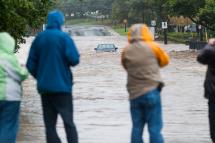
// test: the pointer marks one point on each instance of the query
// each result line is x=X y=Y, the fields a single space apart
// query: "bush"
x=179 y=37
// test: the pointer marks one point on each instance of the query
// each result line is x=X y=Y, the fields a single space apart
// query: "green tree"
x=160 y=8
x=82 y=7
x=207 y=15
x=15 y=16
x=140 y=10
x=120 y=10
x=199 y=11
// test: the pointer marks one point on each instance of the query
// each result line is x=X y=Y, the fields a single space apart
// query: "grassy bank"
x=79 y=22
x=178 y=37
x=172 y=36
x=88 y=21
x=120 y=30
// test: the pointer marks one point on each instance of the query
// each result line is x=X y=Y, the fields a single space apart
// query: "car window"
x=106 y=46
x=112 y=46
x=100 y=46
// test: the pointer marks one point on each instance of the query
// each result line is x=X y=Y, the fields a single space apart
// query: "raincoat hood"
x=7 y=43
x=55 y=19
x=139 y=32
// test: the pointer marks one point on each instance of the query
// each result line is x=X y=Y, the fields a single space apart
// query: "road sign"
x=164 y=25
x=200 y=27
x=153 y=23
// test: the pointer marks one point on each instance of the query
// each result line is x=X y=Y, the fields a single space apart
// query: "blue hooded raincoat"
x=51 y=55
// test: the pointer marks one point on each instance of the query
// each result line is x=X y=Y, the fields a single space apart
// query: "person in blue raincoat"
x=52 y=54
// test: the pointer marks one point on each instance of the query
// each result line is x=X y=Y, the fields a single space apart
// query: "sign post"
x=200 y=33
x=152 y=28
x=164 y=27
x=125 y=21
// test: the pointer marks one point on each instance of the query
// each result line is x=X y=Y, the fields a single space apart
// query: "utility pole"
x=200 y=32
x=164 y=27
x=165 y=37
x=153 y=27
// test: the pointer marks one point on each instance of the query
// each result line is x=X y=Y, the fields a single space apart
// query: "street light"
x=125 y=21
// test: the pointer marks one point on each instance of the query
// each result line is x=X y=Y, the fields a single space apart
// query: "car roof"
x=105 y=44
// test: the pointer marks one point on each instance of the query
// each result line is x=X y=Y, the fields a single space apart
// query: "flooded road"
x=96 y=30
x=101 y=101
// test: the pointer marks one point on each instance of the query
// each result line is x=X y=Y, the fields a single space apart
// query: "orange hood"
x=139 y=32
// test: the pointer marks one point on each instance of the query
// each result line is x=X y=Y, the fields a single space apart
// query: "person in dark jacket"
x=52 y=54
x=207 y=57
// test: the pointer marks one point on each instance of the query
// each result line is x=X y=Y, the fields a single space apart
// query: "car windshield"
x=105 y=46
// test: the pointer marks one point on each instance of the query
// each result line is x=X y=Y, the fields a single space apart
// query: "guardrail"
x=197 y=45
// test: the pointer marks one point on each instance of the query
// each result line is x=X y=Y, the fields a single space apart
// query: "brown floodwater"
x=101 y=107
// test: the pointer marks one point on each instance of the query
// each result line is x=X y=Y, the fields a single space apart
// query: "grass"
x=172 y=36
x=88 y=21
x=179 y=37
x=120 y=30
x=80 y=22
x=176 y=37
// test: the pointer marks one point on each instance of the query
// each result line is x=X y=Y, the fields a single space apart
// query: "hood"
x=7 y=43
x=55 y=19
x=139 y=32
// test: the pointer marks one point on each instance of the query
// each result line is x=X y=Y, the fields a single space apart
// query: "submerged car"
x=106 y=48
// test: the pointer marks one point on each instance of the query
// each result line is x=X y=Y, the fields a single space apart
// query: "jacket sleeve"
x=207 y=55
x=160 y=54
x=32 y=61
x=123 y=58
x=72 y=54
x=22 y=72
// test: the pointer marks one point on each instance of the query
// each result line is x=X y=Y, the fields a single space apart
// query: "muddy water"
x=90 y=30
x=100 y=98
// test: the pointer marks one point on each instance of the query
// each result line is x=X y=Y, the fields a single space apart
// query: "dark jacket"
x=51 y=55
x=207 y=57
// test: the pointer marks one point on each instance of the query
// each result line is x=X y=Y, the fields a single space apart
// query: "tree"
x=199 y=11
x=15 y=16
x=82 y=7
x=207 y=15
x=140 y=10
x=120 y=10
x=161 y=10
